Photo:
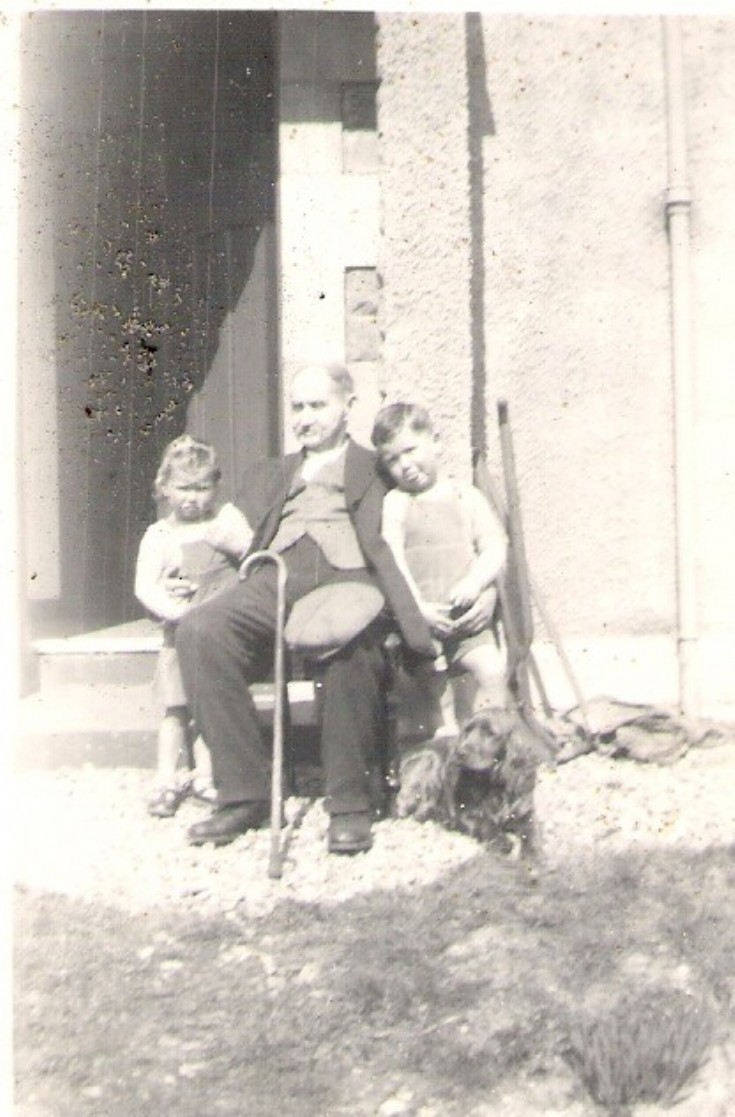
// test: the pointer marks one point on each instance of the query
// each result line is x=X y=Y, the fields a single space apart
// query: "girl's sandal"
x=203 y=790
x=165 y=801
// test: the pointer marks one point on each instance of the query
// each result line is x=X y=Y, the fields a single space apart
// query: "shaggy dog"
x=480 y=782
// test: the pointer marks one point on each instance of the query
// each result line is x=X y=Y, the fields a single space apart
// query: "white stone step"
x=125 y=654
x=114 y=723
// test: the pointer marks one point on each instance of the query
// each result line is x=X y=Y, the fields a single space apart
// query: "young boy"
x=446 y=540
x=185 y=558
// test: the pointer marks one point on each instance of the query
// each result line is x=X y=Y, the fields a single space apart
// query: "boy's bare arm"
x=393 y=531
x=491 y=547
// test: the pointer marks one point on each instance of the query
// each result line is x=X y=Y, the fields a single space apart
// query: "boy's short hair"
x=186 y=455
x=395 y=416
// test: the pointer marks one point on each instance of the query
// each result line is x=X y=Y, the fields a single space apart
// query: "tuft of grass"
x=645 y=1048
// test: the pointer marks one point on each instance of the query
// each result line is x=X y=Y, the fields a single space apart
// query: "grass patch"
x=645 y=1048
x=459 y=990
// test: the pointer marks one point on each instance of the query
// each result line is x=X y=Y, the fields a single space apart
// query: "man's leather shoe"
x=228 y=822
x=350 y=833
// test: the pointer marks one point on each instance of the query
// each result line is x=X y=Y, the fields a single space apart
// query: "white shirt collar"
x=316 y=460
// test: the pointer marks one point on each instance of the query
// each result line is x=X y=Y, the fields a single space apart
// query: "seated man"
x=321 y=510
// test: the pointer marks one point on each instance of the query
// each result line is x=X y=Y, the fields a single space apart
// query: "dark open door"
x=147 y=279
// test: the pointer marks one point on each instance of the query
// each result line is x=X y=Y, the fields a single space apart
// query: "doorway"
x=147 y=279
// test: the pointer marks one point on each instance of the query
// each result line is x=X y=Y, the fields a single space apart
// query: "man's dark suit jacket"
x=262 y=496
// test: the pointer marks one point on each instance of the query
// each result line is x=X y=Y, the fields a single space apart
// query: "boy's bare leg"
x=485 y=664
x=445 y=700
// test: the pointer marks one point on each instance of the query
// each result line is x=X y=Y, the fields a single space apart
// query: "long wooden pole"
x=517 y=565
x=487 y=486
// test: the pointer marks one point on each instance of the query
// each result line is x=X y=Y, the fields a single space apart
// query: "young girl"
x=184 y=558
x=447 y=542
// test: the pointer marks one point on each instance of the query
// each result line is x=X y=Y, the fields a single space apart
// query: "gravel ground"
x=597 y=805
x=85 y=833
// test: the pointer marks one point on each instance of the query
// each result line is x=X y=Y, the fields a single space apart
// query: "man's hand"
x=438 y=619
x=478 y=616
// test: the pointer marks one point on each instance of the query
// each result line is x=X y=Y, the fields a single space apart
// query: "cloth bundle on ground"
x=481 y=781
x=637 y=731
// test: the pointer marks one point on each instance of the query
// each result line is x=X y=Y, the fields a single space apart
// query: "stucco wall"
x=424 y=249
x=564 y=212
x=577 y=319
x=575 y=279
x=709 y=57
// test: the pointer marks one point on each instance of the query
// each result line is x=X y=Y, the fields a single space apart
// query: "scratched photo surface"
x=521 y=225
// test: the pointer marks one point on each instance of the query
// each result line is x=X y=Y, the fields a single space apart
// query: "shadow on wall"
x=481 y=124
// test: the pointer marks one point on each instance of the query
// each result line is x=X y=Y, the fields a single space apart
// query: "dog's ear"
x=422 y=777
x=518 y=771
x=532 y=741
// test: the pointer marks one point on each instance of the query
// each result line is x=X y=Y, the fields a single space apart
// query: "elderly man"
x=320 y=509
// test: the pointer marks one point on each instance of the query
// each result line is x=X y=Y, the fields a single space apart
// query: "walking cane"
x=279 y=683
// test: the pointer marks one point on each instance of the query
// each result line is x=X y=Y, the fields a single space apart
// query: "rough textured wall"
x=525 y=255
x=424 y=249
x=576 y=310
x=709 y=60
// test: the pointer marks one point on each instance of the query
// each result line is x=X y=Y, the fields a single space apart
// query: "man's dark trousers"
x=227 y=643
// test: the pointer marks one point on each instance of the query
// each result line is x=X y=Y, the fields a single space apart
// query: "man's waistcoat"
x=264 y=494
x=318 y=508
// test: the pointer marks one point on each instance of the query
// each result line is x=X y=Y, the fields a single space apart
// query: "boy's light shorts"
x=455 y=647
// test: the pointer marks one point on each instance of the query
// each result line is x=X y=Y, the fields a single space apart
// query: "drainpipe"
x=678 y=206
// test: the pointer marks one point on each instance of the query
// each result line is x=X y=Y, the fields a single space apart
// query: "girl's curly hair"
x=189 y=456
